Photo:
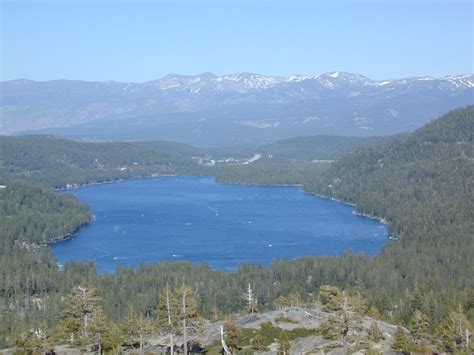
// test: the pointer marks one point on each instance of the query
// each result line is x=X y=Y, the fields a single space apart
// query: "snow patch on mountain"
x=243 y=82
x=460 y=80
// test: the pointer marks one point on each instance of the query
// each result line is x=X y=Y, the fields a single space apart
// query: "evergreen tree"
x=347 y=321
x=330 y=328
x=418 y=327
x=135 y=328
x=350 y=319
x=453 y=333
x=258 y=342
x=295 y=300
x=250 y=300
x=167 y=313
x=375 y=333
x=374 y=312
x=187 y=312
x=282 y=302
x=216 y=314
x=29 y=341
x=417 y=300
x=81 y=306
x=68 y=328
x=400 y=341
x=330 y=297
x=34 y=341
x=231 y=334
x=97 y=329
x=112 y=338
x=283 y=342
x=88 y=302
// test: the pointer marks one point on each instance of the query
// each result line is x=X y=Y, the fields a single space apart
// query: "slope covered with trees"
x=309 y=148
x=35 y=214
x=57 y=162
x=422 y=184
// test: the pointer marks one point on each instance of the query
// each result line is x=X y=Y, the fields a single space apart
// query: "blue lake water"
x=198 y=219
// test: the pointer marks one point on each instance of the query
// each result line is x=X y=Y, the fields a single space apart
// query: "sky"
x=137 y=41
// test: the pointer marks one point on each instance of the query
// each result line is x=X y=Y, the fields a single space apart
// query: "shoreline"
x=252 y=184
x=70 y=236
x=74 y=186
x=63 y=238
x=380 y=219
x=105 y=182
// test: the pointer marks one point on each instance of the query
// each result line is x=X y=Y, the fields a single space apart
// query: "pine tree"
x=34 y=340
x=258 y=343
x=346 y=323
x=250 y=300
x=416 y=300
x=97 y=328
x=283 y=342
x=282 y=302
x=358 y=303
x=112 y=338
x=418 y=327
x=28 y=341
x=145 y=328
x=187 y=311
x=374 y=332
x=330 y=298
x=400 y=341
x=135 y=328
x=231 y=334
x=294 y=299
x=88 y=303
x=216 y=314
x=351 y=319
x=81 y=306
x=68 y=328
x=453 y=333
x=330 y=328
x=373 y=312
x=167 y=314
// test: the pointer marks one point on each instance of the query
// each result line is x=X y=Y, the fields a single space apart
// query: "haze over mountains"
x=234 y=109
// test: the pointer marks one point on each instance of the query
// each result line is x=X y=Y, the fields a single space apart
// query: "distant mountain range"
x=231 y=109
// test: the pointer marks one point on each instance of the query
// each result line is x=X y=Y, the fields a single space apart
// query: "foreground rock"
x=287 y=319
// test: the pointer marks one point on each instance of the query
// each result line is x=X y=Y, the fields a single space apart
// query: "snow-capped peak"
x=341 y=79
x=241 y=82
x=252 y=81
x=461 y=80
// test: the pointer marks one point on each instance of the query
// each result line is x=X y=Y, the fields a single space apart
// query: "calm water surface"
x=197 y=219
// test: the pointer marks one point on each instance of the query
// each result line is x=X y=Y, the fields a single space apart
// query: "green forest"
x=420 y=183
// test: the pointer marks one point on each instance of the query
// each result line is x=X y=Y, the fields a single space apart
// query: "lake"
x=198 y=219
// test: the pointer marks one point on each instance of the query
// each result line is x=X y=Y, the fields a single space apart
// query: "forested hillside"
x=57 y=162
x=60 y=163
x=422 y=184
x=309 y=148
x=34 y=214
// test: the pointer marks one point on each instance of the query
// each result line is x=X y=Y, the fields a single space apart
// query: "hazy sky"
x=144 y=40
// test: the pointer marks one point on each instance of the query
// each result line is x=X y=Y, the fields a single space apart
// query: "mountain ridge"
x=245 y=108
x=466 y=80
